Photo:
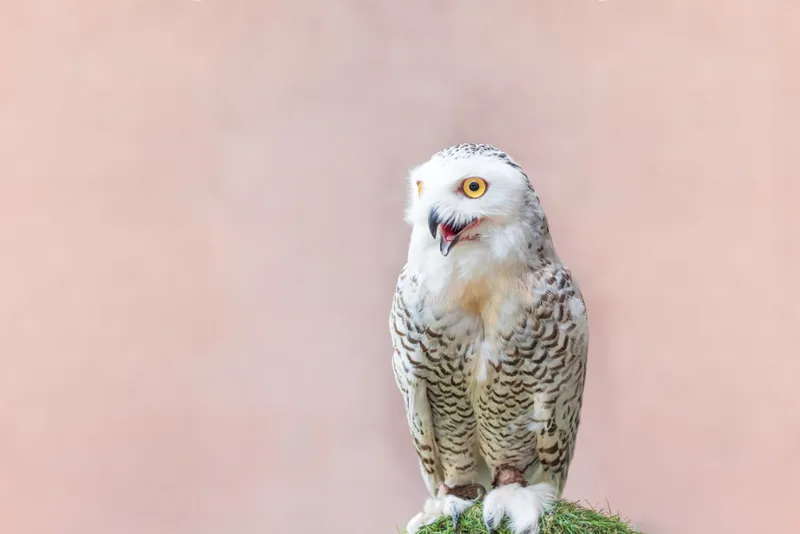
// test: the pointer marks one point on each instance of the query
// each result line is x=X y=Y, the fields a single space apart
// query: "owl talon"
x=443 y=505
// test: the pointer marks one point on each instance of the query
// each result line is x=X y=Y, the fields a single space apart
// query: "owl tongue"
x=447 y=241
x=449 y=233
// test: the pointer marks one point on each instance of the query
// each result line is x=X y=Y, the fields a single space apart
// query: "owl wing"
x=409 y=363
x=558 y=323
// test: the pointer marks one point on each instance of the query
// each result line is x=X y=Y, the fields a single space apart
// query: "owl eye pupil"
x=474 y=186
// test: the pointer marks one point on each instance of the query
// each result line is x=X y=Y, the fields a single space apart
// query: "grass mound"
x=564 y=518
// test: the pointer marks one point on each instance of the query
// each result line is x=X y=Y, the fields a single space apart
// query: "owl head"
x=473 y=199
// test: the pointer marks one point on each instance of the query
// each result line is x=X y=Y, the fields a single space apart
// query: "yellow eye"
x=474 y=187
x=419 y=189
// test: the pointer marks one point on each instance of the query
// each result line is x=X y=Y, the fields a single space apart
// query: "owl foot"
x=448 y=502
x=522 y=504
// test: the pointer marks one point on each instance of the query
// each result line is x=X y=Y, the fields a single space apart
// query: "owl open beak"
x=449 y=232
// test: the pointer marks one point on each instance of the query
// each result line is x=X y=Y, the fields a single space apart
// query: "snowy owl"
x=490 y=340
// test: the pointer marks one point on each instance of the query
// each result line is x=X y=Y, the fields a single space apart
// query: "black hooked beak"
x=434 y=220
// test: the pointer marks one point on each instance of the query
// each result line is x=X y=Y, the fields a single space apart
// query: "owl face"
x=467 y=198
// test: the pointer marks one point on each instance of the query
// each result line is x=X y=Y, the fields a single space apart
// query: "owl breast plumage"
x=496 y=381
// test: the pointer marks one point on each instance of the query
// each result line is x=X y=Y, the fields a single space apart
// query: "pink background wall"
x=199 y=200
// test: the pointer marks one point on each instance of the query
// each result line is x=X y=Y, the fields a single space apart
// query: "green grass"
x=564 y=518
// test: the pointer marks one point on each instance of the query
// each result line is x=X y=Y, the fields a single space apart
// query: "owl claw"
x=443 y=505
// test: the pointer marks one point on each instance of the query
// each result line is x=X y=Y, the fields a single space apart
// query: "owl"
x=490 y=338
